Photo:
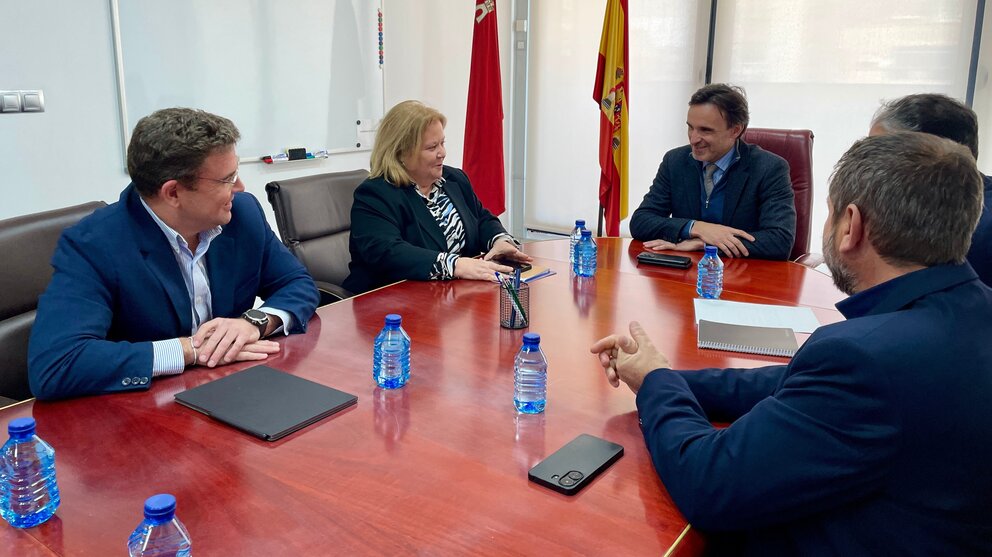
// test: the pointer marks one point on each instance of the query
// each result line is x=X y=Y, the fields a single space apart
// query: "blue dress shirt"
x=712 y=207
x=168 y=356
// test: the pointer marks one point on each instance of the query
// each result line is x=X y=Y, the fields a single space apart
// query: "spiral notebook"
x=767 y=341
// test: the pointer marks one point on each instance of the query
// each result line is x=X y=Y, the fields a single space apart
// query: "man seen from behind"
x=873 y=439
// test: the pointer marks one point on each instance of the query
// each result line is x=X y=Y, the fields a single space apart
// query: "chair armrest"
x=811 y=260
x=330 y=293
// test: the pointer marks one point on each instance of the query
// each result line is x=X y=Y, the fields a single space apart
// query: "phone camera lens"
x=575 y=475
x=566 y=481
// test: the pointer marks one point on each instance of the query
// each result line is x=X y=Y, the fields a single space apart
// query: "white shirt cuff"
x=287 y=319
x=167 y=357
x=503 y=236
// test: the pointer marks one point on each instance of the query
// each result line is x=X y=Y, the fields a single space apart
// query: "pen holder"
x=514 y=306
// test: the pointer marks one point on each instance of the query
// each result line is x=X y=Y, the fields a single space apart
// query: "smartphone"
x=677 y=261
x=513 y=264
x=573 y=466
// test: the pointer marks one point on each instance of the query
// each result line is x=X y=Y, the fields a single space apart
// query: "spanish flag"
x=610 y=91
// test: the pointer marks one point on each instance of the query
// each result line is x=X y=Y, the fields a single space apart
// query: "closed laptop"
x=265 y=402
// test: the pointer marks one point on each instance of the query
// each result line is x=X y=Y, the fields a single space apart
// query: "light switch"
x=33 y=101
x=10 y=101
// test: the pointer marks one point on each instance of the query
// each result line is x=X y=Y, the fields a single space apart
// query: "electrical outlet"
x=22 y=101
x=10 y=101
x=33 y=101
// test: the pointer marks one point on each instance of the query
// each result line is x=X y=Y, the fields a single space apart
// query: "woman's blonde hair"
x=399 y=135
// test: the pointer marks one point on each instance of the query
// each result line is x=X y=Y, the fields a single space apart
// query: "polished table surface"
x=778 y=282
x=436 y=468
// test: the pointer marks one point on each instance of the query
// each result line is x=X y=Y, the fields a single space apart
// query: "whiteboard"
x=288 y=73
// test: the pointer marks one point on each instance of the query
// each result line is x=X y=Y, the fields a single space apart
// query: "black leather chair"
x=27 y=244
x=314 y=218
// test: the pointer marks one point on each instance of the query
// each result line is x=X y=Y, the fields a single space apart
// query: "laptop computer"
x=265 y=402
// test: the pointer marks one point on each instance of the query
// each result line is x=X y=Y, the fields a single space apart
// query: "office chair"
x=796 y=147
x=27 y=243
x=314 y=218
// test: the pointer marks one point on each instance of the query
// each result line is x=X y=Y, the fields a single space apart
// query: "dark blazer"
x=394 y=237
x=117 y=287
x=758 y=199
x=873 y=440
x=980 y=254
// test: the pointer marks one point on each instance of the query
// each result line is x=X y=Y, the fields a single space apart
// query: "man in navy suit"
x=941 y=115
x=718 y=190
x=166 y=278
x=874 y=439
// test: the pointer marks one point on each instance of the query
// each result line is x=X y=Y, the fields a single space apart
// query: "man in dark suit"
x=719 y=190
x=874 y=439
x=136 y=293
x=941 y=115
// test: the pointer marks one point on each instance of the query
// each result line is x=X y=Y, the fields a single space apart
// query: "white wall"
x=667 y=60
x=72 y=152
x=983 y=95
x=428 y=52
x=805 y=64
x=809 y=65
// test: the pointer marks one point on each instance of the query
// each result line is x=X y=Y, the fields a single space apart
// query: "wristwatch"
x=257 y=318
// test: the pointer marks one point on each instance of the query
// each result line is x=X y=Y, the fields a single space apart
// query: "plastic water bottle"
x=160 y=534
x=585 y=255
x=573 y=239
x=29 y=493
x=530 y=376
x=710 y=281
x=391 y=355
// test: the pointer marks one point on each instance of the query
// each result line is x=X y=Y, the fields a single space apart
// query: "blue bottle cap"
x=580 y=222
x=394 y=319
x=160 y=507
x=586 y=232
x=532 y=338
x=21 y=426
x=710 y=250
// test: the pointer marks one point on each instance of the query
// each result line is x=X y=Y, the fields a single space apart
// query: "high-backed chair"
x=796 y=147
x=27 y=244
x=314 y=218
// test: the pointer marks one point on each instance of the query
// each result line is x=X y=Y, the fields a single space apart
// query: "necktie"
x=708 y=179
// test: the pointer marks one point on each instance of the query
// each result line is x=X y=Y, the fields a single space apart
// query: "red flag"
x=483 y=155
x=610 y=92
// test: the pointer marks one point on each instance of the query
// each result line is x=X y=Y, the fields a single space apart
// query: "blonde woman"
x=414 y=217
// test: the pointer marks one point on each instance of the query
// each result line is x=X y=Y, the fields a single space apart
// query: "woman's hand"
x=478 y=269
x=505 y=249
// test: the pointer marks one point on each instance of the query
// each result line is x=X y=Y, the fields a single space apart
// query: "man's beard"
x=844 y=279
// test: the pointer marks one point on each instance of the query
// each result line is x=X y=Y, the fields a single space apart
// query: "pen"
x=503 y=282
x=269 y=159
x=516 y=293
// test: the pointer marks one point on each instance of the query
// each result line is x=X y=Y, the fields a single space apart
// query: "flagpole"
x=599 y=223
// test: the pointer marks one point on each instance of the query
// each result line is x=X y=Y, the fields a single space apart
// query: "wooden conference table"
x=436 y=468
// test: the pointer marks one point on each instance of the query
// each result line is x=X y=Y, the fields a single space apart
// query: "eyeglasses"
x=233 y=180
